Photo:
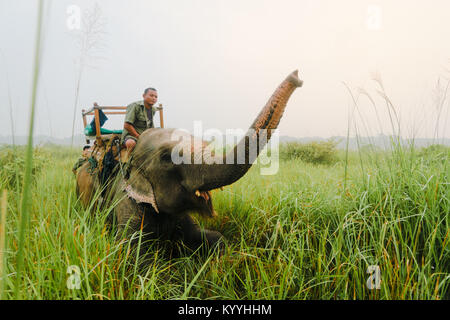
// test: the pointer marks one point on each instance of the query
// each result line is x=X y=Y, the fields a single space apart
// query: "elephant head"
x=177 y=188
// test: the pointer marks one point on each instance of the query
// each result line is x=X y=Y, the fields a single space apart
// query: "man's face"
x=151 y=97
x=86 y=152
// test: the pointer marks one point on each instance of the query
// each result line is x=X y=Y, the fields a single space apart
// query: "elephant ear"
x=140 y=190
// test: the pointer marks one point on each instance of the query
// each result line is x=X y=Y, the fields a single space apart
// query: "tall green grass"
x=3 y=205
x=295 y=235
x=321 y=152
x=26 y=193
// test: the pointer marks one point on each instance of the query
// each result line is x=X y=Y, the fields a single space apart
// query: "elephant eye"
x=166 y=156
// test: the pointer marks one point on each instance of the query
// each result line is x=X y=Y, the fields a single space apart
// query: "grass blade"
x=26 y=192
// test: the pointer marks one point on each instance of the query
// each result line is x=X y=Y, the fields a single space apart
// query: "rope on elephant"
x=109 y=160
x=105 y=151
x=92 y=164
x=104 y=160
x=123 y=166
x=109 y=164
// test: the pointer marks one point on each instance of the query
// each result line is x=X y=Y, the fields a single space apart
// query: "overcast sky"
x=219 y=61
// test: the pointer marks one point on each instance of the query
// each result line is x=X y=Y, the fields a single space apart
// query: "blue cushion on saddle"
x=90 y=129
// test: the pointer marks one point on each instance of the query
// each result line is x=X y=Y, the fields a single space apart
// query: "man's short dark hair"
x=146 y=90
x=86 y=147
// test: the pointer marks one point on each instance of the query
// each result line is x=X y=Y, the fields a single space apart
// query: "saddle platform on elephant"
x=94 y=130
x=107 y=142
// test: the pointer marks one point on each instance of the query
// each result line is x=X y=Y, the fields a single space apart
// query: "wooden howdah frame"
x=94 y=111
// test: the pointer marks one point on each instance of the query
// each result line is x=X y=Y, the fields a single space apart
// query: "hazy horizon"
x=219 y=62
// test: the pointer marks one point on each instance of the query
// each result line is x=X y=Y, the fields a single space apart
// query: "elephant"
x=156 y=195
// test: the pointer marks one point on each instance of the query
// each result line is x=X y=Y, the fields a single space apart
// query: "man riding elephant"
x=139 y=117
x=156 y=194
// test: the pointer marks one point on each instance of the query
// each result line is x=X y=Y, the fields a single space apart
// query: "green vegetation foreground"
x=309 y=232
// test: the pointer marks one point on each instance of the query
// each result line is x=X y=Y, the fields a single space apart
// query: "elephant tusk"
x=203 y=194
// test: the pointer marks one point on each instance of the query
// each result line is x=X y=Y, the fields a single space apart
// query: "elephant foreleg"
x=193 y=236
x=129 y=219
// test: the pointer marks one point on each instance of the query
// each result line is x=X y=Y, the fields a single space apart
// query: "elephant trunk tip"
x=294 y=79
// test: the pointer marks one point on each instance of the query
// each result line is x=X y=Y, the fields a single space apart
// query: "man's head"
x=150 y=96
x=86 y=150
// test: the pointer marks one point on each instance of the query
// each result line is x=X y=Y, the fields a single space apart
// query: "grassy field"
x=309 y=232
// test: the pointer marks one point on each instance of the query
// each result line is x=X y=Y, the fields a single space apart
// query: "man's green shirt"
x=137 y=117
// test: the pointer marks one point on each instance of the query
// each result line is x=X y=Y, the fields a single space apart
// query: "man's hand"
x=129 y=127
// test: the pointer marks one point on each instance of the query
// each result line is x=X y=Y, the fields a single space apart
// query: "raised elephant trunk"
x=205 y=176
